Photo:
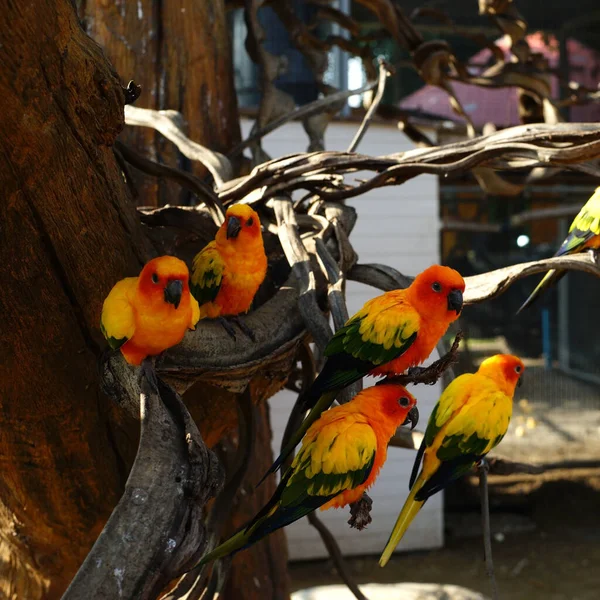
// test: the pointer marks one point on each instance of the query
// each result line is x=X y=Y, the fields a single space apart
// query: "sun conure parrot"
x=341 y=456
x=391 y=333
x=227 y=272
x=147 y=314
x=470 y=418
x=584 y=234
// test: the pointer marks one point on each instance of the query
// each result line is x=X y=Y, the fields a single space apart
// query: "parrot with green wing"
x=584 y=234
x=470 y=419
x=341 y=456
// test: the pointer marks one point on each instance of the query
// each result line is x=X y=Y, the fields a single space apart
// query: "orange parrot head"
x=164 y=279
x=505 y=369
x=390 y=401
x=241 y=227
x=437 y=292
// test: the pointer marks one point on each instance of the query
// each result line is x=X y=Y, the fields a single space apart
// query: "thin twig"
x=485 y=523
x=187 y=180
x=384 y=73
x=431 y=374
x=336 y=556
x=302 y=112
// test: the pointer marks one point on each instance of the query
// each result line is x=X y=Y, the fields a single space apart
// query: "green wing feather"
x=207 y=274
x=585 y=226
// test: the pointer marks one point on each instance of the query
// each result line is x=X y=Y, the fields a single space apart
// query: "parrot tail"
x=322 y=404
x=235 y=543
x=405 y=518
x=549 y=279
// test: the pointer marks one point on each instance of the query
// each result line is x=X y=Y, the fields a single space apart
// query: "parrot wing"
x=207 y=274
x=585 y=226
x=381 y=331
x=117 y=321
x=476 y=421
x=332 y=459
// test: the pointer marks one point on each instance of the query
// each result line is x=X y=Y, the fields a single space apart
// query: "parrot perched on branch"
x=391 y=333
x=584 y=234
x=341 y=456
x=470 y=418
x=147 y=314
x=227 y=272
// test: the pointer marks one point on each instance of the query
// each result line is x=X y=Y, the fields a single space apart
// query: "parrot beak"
x=233 y=227
x=412 y=417
x=520 y=381
x=173 y=292
x=455 y=301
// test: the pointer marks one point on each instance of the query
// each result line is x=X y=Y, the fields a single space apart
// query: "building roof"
x=499 y=105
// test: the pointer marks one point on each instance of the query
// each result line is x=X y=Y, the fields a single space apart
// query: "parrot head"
x=437 y=292
x=164 y=280
x=392 y=401
x=504 y=368
x=241 y=226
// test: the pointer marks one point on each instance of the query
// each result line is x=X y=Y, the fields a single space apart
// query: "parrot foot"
x=360 y=512
x=244 y=328
x=148 y=373
x=483 y=465
x=228 y=327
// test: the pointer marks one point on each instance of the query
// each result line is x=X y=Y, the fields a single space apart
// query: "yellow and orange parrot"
x=228 y=271
x=147 y=314
x=470 y=418
x=341 y=456
x=390 y=334
x=584 y=234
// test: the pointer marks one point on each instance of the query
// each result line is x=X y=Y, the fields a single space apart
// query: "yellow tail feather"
x=405 y=518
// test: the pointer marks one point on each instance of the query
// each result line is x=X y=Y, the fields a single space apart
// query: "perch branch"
x=299 y=260
x=485 y=524
x=384 y=73
x=159 y=513
x=492 y=284
x=191 y=585
x=168 y=122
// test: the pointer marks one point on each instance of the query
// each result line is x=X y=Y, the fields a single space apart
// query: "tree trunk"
x=179 y=52
x=69 y=232
x=66 y=217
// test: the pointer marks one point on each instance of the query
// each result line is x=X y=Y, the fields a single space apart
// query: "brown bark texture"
x=69 y=231
x=179 y=53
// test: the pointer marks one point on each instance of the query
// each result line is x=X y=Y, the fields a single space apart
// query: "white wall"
x=397 y=226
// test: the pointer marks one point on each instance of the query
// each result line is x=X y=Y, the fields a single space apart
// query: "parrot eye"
x=154 y=278
x=250 y=222
x=518 y=368
x=404 y=401
x=436 y=286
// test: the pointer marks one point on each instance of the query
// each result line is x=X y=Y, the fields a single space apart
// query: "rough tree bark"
x=65 y=449
x=179 y=52
x=68 y=232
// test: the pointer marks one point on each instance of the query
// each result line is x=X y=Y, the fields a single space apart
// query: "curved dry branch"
x=492 y=284
x=168 y=122
x=187 y=180
x=156 y=529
